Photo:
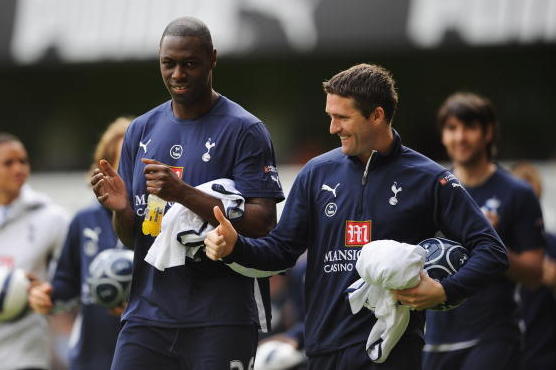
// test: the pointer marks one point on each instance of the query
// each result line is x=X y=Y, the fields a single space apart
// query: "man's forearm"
x=526 y=267
x=124 y=222
x=258 y=219
x=200 y=203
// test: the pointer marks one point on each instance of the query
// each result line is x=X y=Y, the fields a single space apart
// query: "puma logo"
x=144 y=146
x=328 y=188
x=92 y=234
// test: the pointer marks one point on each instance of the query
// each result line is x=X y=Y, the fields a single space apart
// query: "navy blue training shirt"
x=226 y=142
x=538 y=314
x=492 y=311
x=95 y=329
x=551 y=245
x=296 y=288
x=335 y=207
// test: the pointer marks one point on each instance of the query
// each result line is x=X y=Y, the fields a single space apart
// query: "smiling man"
x=201 y=314
x=370 y=188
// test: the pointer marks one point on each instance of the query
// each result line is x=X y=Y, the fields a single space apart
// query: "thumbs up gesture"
x=221 y=241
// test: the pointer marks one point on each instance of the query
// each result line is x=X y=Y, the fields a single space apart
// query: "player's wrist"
x=453 y=296
x=440 y=292
x=233 y=243
x=235 y=251
x=122 y=210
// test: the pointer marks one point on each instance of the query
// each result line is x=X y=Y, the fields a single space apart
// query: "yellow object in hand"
x=153 y=215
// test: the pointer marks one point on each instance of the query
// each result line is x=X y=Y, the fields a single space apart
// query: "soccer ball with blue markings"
x=109 y=278
x=444 y=258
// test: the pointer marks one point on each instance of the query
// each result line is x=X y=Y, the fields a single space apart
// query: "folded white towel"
x=183 y=232
x=385 y=265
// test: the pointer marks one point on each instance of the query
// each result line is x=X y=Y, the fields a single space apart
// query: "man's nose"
x=179 y=72
x=459 y=133
x=334 y=126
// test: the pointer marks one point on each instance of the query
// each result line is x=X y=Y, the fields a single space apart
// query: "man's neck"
x=476 y=173
x=384 y=144
x=197 y=109
x=6 y=198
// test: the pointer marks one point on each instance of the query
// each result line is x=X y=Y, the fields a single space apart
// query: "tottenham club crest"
x=491 y=205
x=176 y=151
x=395 y=189
x=209 y=145
x=490 y=210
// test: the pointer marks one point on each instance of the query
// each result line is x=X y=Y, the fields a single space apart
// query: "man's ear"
x=489 y=134
x=213 y=57
x=377 y=115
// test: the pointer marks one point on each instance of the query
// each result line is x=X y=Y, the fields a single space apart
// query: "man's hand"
x=428 y=293
x=39 y=297
x=221 y=241
x=109 y=187
x=549 y=272
x=493 y=218
x=118 y=310
x=162 y=181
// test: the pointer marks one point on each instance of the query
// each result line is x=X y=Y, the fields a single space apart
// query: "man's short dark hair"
x=189 y=26
x=471 y=109
x=8 y=138
x=369 y=85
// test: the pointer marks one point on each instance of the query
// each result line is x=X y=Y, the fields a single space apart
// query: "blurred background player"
x=32 y=230
x=90 y=232
x=538 y=305
x=285 y=348
x=199 y=314
x=483 y=332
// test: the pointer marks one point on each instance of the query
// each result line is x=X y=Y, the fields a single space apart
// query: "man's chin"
x=465 y=162
x=186 y=99
x=346 y=151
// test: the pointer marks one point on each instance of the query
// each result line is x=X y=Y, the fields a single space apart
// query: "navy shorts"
x=406 y=355
x=490 y=355
x=142 y=347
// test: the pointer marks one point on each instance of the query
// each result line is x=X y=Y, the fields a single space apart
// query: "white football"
x=109 y=277
x=276 y=355
x=444 y=258
x=14 y=287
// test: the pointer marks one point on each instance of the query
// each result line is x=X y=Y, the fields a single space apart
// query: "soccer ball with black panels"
x=109 y=277
x=444 y=258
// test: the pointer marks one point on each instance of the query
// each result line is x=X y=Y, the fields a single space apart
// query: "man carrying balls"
x=371 y=188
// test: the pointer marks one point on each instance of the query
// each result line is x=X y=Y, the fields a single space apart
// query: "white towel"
x=385 y=265
x=183 y=232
